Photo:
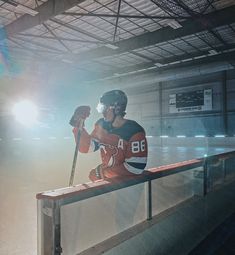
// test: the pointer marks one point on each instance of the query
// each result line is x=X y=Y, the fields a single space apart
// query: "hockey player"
x=122 y=142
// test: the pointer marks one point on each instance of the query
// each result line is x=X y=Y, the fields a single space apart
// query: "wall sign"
x=192 y=101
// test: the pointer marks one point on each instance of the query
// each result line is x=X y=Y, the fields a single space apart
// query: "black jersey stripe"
x=137 y=165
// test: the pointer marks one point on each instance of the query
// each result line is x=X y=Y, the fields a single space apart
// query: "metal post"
x=49 y=220
x=57 y=250
x=224 y=169
x=224 y=101
x=205 y=177
x=160 y=110
x=149 y=200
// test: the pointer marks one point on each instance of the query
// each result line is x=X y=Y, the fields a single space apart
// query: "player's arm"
x=87 y=143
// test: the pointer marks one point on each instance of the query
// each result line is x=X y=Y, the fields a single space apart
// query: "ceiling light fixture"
x=25 y=9
x=212 y=52
x=202 y=56
x=174 y=24
x=175 y=62
x=186 y=59
x=65 y=60
x=116 y=74
x=21 y=8
x=158 y=64
x=111 y=46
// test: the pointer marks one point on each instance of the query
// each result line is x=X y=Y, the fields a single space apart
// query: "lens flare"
x=26 y=113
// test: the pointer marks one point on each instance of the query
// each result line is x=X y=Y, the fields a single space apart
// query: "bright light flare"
x=26 y=113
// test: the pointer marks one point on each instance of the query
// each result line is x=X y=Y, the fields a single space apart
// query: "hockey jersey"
x=123 y=150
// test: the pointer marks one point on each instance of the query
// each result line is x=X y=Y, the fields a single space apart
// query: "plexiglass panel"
x=88 y=222
x=171 y=190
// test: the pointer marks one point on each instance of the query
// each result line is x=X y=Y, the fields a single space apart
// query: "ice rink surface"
x=31 y=166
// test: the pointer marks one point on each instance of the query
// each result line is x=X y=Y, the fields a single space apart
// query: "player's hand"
x=81 y=113
x=96 y=174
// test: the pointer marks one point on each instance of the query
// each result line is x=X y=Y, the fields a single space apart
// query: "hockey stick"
x=76 y=153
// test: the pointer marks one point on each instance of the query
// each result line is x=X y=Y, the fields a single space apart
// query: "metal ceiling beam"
x=189 y=27
x=183 y=70
x=209 y=4
x=167 y=8
x=202 y=21
x=124 y=16
x=197 y=55
x=48 y=10
x=117 y=18
x=58 y=37
x=184 y=60
x=41 y=45
x=77 y=29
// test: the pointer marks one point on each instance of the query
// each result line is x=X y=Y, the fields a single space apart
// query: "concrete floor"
x=221 y=241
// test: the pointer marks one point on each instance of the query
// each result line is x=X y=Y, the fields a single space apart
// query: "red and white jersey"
x=123 y=150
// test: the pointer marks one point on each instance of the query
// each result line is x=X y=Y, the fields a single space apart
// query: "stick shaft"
x=73 y=165
x=75 y=154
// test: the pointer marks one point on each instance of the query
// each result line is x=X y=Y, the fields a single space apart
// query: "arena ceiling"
x=99 y=39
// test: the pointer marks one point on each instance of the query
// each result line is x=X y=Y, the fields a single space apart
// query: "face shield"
x=101 y=108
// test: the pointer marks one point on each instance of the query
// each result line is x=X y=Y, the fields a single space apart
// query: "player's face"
x=107 y=111
x=108 y=114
